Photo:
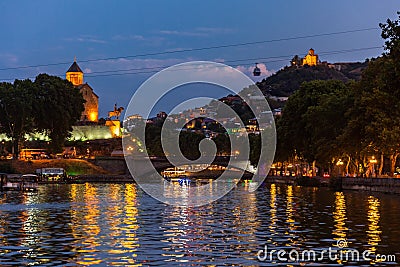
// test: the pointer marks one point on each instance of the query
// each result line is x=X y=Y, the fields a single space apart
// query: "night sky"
x=50 y=33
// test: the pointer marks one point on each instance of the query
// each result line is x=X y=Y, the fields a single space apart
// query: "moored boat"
x=182 y=180
x=29 y=182
x=52 y=175
x=11 y=184
x=26 y=182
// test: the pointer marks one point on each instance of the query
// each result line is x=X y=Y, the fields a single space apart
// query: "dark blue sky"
x=46 y=32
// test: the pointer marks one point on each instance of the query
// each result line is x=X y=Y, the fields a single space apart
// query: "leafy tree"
x=216 y=127
x=374 y=119
x=391 y=78
x=312 y=120
x=351 y=142
x=153 y=140
x=255 y=148
x=16 y=110
x=189 y=144
x=326 y=120
x=378 y=108
x=58 y=106
x=223 y=143
x=391 y=33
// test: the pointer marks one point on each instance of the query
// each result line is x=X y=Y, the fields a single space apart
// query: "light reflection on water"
x=118 y=224
x=373 y=224
x=339 y=217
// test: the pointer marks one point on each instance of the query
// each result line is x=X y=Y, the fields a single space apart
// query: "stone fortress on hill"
x=311 y=59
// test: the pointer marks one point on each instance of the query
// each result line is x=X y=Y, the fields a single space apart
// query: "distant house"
x=277 y=112
x=162 y=115
x=160 y=118
x=232 y=100
x=279 y=98
x=133 y=121
x=117 y=153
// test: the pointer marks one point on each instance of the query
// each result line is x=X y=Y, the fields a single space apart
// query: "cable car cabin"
x=52 y=175
x=256 y=71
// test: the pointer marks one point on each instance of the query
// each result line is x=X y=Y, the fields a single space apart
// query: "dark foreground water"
x=118 y=224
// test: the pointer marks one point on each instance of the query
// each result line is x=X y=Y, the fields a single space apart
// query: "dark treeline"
x=189 y=141
x=48 y=105
x=326 y=122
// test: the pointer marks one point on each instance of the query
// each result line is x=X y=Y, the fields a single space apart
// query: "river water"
x=119 y=224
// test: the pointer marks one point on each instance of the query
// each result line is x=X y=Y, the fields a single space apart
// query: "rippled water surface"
x=118 y=224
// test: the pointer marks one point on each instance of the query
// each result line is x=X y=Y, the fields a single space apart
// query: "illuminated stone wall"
x=82 y=133
x=115 y=127
x=91 y=112
x=91 y=132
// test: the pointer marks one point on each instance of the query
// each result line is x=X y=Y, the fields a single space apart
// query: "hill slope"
x=289 y=79
x=71 y=166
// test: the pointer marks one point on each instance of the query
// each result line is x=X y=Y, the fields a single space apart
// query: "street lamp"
x=373 y=161
x=340 y=164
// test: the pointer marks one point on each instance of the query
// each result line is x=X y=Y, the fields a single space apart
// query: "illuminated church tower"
x=75 y=76
x=311 y=59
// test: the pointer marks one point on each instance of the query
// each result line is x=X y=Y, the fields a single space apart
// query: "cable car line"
x=146 y=70
x=196 y=49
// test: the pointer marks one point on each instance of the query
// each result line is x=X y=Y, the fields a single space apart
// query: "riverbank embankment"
x=382 y=185
x=71 y=166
